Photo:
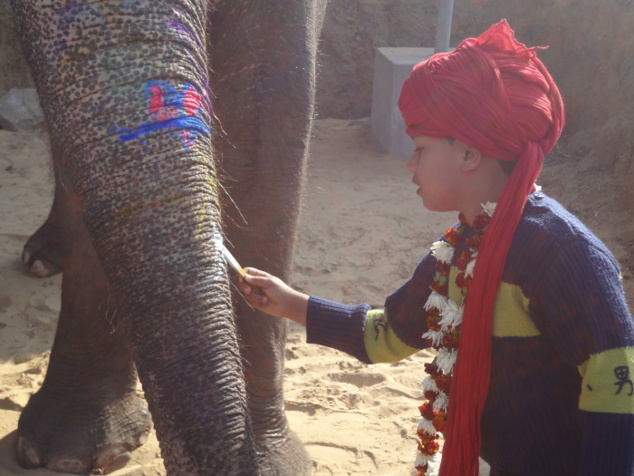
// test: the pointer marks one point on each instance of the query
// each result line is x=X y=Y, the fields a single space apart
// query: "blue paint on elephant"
x=176 y=108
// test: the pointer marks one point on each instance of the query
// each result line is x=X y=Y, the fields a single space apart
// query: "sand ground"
x=363 y=231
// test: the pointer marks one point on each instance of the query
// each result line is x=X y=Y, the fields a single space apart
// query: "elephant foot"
x=68 y=436
x=42 y=253
x=284 y=457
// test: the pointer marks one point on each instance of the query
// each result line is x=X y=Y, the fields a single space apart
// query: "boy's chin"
x=434 y=207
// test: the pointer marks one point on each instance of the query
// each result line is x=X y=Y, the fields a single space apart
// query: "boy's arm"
x=374 y=336
x=371 y=336
x=356 y=330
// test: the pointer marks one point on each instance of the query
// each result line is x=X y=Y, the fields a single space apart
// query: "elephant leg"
x=264 y=59
x=87 y=415
x=42 y=253
x=280 y=451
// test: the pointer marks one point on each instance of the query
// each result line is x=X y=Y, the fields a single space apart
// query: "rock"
x=20 y=110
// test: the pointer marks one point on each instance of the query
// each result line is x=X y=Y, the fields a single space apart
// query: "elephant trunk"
x=124 y=88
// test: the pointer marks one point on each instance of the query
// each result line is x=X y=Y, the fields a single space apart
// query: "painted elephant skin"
x=139 y=143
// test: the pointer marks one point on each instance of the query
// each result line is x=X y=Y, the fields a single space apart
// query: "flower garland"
x=444 y=321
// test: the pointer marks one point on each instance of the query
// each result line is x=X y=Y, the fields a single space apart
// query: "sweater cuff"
x=338 y=326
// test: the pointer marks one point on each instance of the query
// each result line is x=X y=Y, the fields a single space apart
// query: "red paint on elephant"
x=167 y=102
x=192 y=101
x=178 y=108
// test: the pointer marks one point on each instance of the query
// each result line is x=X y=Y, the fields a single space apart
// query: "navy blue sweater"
x=561 y=399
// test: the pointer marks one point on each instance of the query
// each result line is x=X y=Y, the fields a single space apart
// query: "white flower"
x=432 y=462
x=441 y=403
x=471 y=266
x=451 y=315
x=429 y=384
x=435 y=300
x=489 y=208
x=445 y=360
x=434 y=465
x=442 y=251
x=421 y=459
x=427 y=426
x=435 y=336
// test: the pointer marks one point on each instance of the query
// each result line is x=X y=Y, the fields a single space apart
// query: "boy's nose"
x=411 y=163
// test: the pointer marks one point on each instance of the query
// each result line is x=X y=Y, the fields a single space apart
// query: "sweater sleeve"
x=359 y=331
x=338 y=326
x=380 y=335
x=583 y=311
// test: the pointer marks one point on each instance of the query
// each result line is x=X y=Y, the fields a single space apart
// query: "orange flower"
x=425 y=437
x=443 y=268
x=443 y=382
x=450 y=340
x=439 y=421
x=463 y=281
x=429 y=449
x=463 y=260
x=430 y=395
x=423 y=448
x=432 y=370
x=427 y=411
x=440 y=288
x=452 y=236
x=481 y=222
x=473 y=242
x=433 y=312
x=432 y=323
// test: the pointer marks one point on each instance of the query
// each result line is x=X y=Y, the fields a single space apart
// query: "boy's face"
x=437 y=168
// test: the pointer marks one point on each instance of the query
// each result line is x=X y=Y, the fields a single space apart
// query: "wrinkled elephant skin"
x=132 y=112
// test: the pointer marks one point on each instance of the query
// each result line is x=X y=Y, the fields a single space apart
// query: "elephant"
x=173 y=125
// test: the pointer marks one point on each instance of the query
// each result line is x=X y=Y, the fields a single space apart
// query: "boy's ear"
x=472 y=159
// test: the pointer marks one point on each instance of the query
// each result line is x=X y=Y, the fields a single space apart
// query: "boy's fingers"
x=255 y=272
x=258 y=281
x=251 y=292
x=244 y=287
x=256 y=298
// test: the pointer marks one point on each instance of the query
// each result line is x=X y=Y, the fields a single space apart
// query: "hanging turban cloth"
x=494 y=94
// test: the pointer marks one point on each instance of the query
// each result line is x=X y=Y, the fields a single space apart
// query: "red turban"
x=494 y=94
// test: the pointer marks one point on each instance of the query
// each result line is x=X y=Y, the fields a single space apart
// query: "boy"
x=524 y=304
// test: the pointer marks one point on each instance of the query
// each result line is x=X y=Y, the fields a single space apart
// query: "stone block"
x=391 y=67
x=20 y=110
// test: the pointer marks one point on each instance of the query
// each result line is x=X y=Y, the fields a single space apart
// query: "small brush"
x=231 y=260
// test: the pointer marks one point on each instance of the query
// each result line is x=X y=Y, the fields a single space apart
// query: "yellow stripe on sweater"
x=381 y=344
x=608 y=382
x=511 y=317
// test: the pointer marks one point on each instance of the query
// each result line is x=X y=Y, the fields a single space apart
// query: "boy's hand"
x=271 y=295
